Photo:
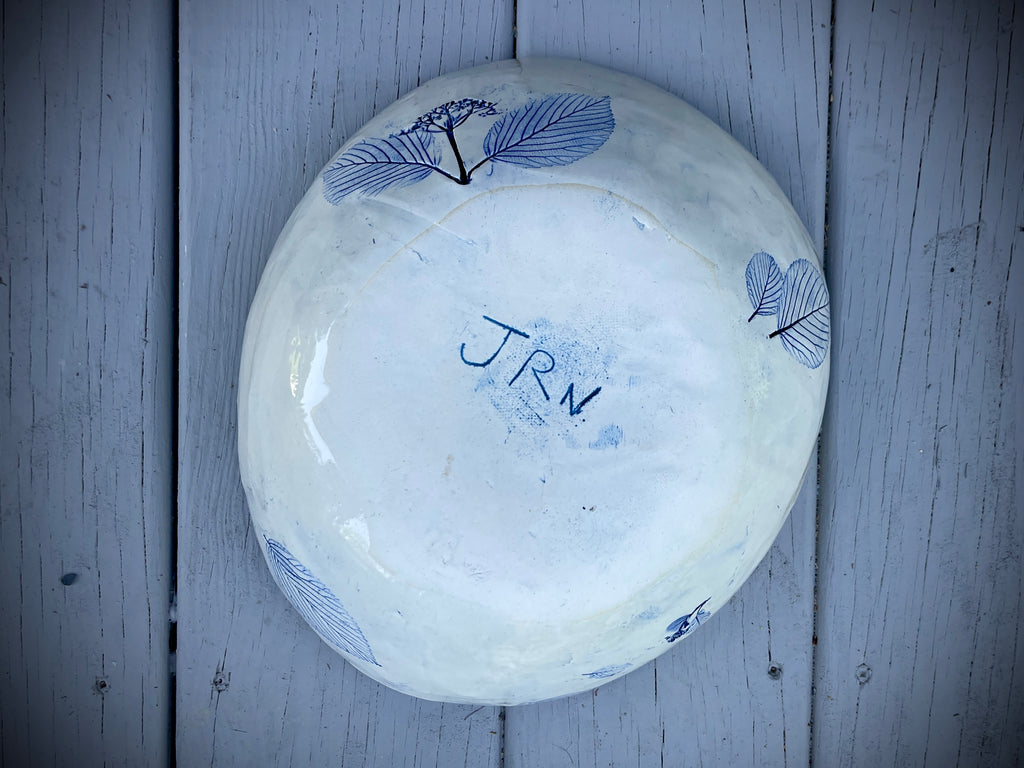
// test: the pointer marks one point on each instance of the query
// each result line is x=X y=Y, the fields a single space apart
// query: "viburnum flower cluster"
x=447 y=117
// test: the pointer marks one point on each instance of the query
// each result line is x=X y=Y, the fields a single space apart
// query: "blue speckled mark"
x=317 y=604
x=609 y=437
x=570 y=442
x=538 y=375
x=684 y=625
x=610 y=671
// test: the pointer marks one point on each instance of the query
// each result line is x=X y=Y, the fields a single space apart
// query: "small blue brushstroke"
x=609 y=437
x=610 y=671
x=684 y=625
x=485 y=380
x=639 y=224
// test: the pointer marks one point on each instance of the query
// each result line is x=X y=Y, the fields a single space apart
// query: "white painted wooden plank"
x=86 y=299
x=921 y=658
x=269 y=91
x=739 y=691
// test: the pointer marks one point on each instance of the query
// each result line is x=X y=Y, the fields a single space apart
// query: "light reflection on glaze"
x=314 y=392
x=356 y=533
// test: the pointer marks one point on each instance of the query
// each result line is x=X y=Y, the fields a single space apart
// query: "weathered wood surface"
x=920 y=657
x=87 y=382
x=270 y=90
x=737 y=692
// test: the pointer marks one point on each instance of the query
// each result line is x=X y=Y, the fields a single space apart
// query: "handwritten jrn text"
x=539 y=363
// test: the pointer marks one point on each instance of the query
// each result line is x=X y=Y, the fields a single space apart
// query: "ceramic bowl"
x=530 y=383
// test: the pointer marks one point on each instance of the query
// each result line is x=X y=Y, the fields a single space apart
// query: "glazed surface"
x=507 y=437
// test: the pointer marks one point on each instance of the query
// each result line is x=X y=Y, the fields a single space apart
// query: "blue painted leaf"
x=684 y=625
x=764 y=284
x=610 y=671
x=316 y=603
x=373 y=165
x=804 y=314
x=554 y=130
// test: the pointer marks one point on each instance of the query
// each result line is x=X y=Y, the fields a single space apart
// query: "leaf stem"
x=796 y=322
x=471 y=170
x=463 y=176
x=445 y=173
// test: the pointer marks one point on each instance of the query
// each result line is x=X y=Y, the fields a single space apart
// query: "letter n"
x=573 y=408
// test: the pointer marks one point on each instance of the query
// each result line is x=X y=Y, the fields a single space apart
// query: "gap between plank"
x=821 y=443
x=172 y=623
x=515 y=28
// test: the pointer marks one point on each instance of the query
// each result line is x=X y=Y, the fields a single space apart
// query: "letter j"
x=509 y=330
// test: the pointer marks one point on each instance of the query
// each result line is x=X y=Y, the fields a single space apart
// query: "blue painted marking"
x=684 y=625
x=610 y=671
x=609 y=437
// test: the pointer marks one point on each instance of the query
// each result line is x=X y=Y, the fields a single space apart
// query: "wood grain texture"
x=735 y=693
x=86 y=301
x=921 y=658
x=269 y=91
x=738 y=692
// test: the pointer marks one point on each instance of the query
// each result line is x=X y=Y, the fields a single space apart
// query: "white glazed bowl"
x=507 y=439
